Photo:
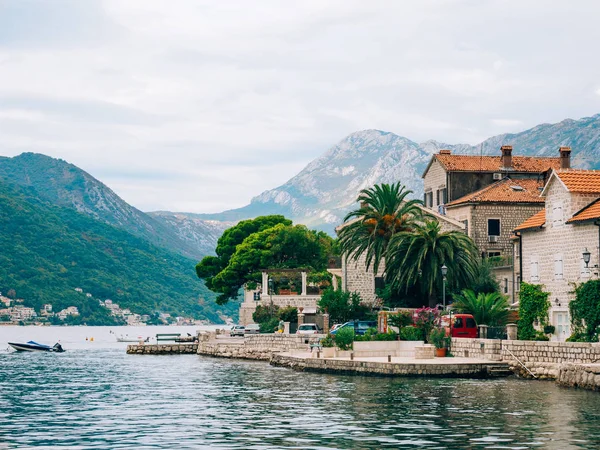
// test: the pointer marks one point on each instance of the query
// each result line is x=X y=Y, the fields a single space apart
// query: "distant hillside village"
x=14 y=313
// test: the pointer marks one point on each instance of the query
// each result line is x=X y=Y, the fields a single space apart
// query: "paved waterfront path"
x=398 y=366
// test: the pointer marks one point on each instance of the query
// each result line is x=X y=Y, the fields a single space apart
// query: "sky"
x=197 y=106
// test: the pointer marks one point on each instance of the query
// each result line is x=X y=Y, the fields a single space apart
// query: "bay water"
x=96 y=396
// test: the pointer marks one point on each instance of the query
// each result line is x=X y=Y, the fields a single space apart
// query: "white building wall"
x=435 y=180
x=559 y=241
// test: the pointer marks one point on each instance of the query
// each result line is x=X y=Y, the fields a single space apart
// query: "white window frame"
x=559 y=266
x=557 y=210
x=534 y=269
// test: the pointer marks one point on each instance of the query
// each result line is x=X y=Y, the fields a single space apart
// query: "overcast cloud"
x=200 y=105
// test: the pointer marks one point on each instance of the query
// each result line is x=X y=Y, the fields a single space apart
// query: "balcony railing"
x=500 y=261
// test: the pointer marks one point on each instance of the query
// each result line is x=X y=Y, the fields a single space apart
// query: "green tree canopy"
x=282 y=246
x=384 y=211
x=210 y=266
x=416 y=257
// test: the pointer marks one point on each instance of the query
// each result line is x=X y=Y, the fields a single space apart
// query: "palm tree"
x=416 y=257
x=489 y=308
x=384 y=211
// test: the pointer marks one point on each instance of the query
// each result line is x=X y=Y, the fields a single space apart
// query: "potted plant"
x=437 y=337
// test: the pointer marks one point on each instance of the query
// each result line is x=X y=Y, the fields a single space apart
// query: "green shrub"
x=549 y=329
x=533 y=305
x=540 y=336
x=400 y=319
x=269 y=326
x=288 y=314
x=411 y=334
x=344 y=338
x=327 y=341
x=264 y=313
x=389 y=336
x=438 y=338
x=585 y=311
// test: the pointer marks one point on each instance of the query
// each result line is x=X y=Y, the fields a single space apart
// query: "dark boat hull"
x=33 y=347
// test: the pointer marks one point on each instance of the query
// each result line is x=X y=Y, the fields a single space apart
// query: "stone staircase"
x=499 y=370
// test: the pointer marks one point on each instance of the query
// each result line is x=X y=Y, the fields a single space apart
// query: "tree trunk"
x=432 y=300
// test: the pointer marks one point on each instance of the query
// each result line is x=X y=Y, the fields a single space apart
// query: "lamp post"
x=586 y=257
x=271 y=291
x=444 y=273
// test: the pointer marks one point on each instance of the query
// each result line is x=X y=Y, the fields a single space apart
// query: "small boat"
x=128 y=338
x=32 y=346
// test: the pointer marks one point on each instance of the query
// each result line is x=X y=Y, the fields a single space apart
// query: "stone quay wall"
x=354 y=367
x=575 y=364
x=162 y=349
x=256 y=346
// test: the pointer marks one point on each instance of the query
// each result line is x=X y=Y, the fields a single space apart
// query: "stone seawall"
x=575 y=364
x=162 y=349
x=259 y=346
x=371 y=368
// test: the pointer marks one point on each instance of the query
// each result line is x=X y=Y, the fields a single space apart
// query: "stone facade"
x=434 y=182
x=249 y=305
x=258 y=346
x=162 y=349
x=428 y=369
x=553 y=255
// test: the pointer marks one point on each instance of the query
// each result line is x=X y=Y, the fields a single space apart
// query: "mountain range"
x=326 y=189
x=62 y=227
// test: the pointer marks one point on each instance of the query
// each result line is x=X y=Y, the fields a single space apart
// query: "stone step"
x=499 y=371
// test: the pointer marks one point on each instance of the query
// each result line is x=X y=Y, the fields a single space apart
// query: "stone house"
x=491 y=214
x=449 y=177
x=356 y=277
x=554 y=243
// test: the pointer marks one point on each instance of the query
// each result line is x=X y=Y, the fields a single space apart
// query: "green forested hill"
x=47 y=251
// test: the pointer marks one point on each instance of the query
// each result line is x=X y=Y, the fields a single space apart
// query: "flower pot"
x=440 y=352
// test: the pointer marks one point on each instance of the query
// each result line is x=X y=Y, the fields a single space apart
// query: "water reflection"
x=106 y=399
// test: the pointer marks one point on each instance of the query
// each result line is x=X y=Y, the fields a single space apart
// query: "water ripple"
x=102 y=398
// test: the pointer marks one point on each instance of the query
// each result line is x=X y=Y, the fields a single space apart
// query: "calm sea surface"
x=96 y=396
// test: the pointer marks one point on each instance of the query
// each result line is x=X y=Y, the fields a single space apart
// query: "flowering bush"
x=426 y=319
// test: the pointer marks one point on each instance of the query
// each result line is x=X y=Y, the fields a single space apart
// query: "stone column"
x=286 y=328
x=325 y=323
x=303 y=283
x=511 y=331
x=334 y=282
x=483 y=331
x=300 y=318
x=265 y=284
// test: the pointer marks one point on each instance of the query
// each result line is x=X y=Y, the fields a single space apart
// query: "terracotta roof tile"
x=472 y=163
x=505 y=191
x=535 y=221
x=591 y=211
x=581 y=181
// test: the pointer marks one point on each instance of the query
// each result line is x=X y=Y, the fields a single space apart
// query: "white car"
x=237 y=330
x=308 y=328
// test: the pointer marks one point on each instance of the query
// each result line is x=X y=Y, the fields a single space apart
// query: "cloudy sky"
x=200 y=105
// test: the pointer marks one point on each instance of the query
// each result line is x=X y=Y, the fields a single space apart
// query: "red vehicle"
x=463 y=325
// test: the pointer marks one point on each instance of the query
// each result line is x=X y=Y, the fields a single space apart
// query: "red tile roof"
x=472 y=163
x=591 y=211
x=505 y=191
x=581 y=181
x=535 y=221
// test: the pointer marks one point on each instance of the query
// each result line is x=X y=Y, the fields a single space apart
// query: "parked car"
x=360 y=326
x=237 y=330
x=308 y=328
x=463 y=326
x=252 y=328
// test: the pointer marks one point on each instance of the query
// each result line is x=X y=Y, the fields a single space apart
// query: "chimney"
x=445 y=152
x=506 y=156
x=565 y=157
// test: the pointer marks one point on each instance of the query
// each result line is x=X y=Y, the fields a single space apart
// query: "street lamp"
x=444 y=273
x=586 y=257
